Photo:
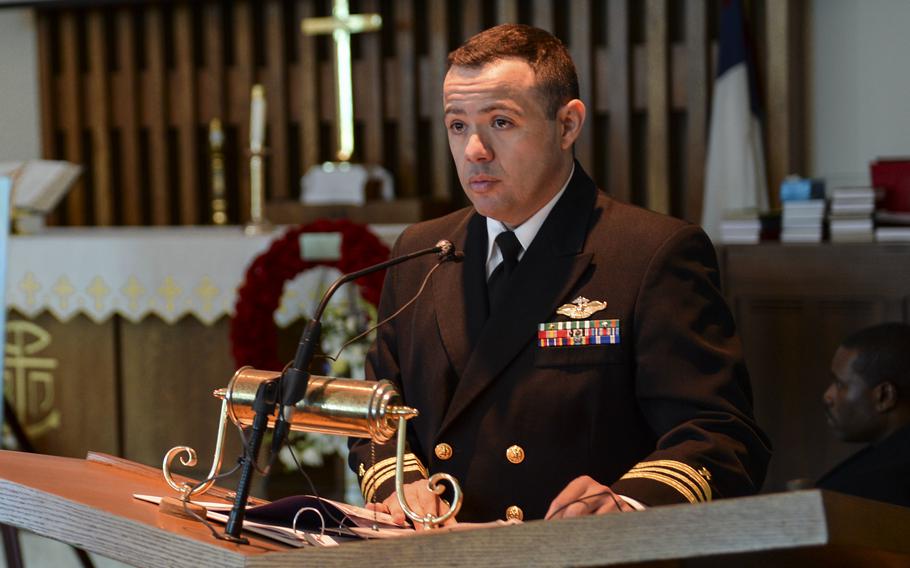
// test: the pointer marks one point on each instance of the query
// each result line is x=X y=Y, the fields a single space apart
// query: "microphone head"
x=447 y=252
x=445 y=248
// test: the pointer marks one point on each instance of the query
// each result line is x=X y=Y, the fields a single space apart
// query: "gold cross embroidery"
x=169 y=291
x=133 y=291
x=207 y=292
x=98 y=290
x=64 y=290
x=30 y=286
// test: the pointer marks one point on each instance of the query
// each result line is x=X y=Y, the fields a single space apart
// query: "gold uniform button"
x=443 y=451
x=514 y=513
x=515 y=454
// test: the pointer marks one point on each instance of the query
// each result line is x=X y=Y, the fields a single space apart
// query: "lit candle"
x=257 y=119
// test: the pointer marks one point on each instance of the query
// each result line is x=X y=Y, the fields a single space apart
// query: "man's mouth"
x=481 y=182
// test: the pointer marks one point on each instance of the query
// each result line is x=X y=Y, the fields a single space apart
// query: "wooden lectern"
x=88 y=503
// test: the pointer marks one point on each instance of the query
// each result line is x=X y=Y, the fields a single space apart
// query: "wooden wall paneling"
x=658 y=158
x=99 y=119
x=212 y=86
x=697 y=98
x=581 y=49
x=70 y=112
x=327 y=104
x=371 y=87
x=405 y=27
x=210 y=91
x=156 y=105
x=619 y=78
x=542 y=14
x=772 y=332
x=150 y=99
x=65 y=395
x=506 y=11
x=440 y=159
x=186 y=116
x=278 y=185
x=308 y=103
x=47 y=85
x=471 y=18
x=783 y=93
x=243 y=79
x=640 y=70
x=167 y=401
x=124 y=97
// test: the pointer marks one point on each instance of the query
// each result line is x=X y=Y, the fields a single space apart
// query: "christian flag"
x=735 y=171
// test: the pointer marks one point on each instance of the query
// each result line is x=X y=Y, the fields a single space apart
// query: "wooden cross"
x=341 y=25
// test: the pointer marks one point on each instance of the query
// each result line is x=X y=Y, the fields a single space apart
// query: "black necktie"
x=496 y=286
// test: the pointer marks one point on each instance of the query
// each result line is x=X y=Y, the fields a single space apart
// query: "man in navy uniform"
x=869 y=401
x=581 y=359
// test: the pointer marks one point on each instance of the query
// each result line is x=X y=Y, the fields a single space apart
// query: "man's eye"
x=501 y=123
x=456 y=126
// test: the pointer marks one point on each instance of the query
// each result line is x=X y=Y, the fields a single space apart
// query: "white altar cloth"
x=170 y=272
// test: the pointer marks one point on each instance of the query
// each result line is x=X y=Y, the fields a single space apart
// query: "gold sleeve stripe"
x=381 y=472
x=635 y=474
x=375 y=480
x=696 y=482
x=700 y=477
x=695 y=488
x=370 y=490
x=411 y=463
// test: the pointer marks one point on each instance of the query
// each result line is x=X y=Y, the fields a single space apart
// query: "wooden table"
x=89 y=504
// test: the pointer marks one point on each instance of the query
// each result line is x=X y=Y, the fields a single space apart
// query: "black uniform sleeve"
x=691 y=383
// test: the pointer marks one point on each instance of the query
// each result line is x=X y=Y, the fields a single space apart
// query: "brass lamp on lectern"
x=312 y=403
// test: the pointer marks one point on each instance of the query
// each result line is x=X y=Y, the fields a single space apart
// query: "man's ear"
x=570 y=117
x=885 y=396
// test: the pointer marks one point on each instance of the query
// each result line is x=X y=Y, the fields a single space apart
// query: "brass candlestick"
x=219 y=193
x=257 y=224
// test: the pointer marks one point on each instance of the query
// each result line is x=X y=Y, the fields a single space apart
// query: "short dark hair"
x=883 y=354
x=553 y=68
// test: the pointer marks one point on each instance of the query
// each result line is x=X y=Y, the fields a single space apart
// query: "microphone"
x=291 y=386
x=295 y=378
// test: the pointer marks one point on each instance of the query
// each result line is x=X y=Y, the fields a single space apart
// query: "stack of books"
x=891 y=176
x=740 y=227
x=803 y=210
x=850 y=217
x=893 y=227
x=892 y=234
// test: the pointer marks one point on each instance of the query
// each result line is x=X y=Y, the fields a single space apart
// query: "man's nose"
x=477 y=150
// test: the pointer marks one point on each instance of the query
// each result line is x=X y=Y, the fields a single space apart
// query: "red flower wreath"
x=254 y=335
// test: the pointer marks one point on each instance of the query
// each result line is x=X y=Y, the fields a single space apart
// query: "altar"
x=116 y=338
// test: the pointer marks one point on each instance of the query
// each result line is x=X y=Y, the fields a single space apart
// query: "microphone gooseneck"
x=294 y=380
x=291 y=386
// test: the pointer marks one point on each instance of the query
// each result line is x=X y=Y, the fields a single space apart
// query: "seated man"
x=869 y=401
